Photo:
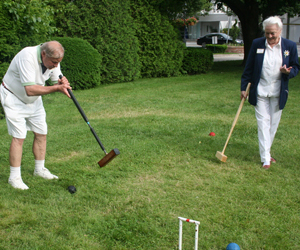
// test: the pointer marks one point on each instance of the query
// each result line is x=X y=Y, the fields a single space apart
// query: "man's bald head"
x=53 y=49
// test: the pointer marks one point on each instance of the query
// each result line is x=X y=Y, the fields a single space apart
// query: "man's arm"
x=62 y=86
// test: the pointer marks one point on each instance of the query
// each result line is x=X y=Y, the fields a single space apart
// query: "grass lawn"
x=167 y=168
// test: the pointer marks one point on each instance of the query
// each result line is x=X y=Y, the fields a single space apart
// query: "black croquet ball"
x=72 y=189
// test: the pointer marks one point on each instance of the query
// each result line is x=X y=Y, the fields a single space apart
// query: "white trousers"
x=268 y=116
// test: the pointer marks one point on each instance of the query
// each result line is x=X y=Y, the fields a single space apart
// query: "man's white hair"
x=271 y=21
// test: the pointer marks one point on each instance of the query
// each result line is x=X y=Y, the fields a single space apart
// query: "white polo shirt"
x=270 y=79
x=26 y=69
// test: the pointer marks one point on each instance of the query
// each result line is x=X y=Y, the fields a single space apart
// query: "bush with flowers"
x=184 y=22
x=191 y=21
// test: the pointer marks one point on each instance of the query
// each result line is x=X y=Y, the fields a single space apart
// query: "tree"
x=31 y=20
x=108 y=26
x=23 y=23
x=180 y=8
x=132 y=36
x=252 y=12
x=161 y=51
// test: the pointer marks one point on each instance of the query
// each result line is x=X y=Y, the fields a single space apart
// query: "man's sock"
x=15 y=172
x=39 y=165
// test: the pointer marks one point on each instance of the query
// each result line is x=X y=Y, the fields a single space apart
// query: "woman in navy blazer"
x=271 y=62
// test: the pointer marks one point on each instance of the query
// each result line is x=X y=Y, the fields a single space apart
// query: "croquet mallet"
x=220 y=155
x=108 y=156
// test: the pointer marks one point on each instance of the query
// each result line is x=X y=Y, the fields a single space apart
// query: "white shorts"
x=21 y=117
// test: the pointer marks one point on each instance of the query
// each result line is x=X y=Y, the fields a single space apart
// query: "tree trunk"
x=249 y=16
x=251 y=30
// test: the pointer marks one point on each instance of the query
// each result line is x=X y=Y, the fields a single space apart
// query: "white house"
x=294 y=28
x=215 y=21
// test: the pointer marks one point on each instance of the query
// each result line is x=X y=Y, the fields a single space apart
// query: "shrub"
x=23 y=23
x=81 y=63
x=197 y=60
x=9 y=40
x=108 y=26
x=161 y=51
x=1 y=112
x=217 y=48
x=3 y=68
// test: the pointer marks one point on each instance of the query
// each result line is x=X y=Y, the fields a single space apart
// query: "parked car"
x=222 y=38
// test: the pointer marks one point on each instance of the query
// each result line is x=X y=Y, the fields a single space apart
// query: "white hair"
x=271 y=21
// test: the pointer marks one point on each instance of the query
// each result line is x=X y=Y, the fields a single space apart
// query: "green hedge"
x=1 y=112
x=81 y=63
x=133 y=37
x=108 y=26
x=197 y=60
x=3 y=68
x=161 y=49
x=9 y=40
x=217 y=48
x=22 y=24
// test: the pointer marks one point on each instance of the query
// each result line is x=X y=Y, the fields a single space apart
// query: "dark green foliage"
x=161 y=51
x=81 y=63
x=3 y=68
x=9 y=40
x=217 y=48
x=180 y=8
x=133 y=37
x=120 y=44
x=109 y=27
x=24 y=23
x=1 y=112
x=133 y=42
x=197 y=60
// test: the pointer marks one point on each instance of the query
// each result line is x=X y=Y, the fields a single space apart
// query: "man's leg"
x=15 y=152
x=15 y=158
x=39 y=146
x=39 y=151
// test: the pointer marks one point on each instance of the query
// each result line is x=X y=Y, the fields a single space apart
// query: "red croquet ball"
x=212 y=134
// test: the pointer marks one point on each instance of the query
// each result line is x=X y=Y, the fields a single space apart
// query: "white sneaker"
x=18 y=183
x=45 y=173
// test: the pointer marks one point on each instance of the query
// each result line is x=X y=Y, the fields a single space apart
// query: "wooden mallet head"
x=108 y=157
x=221 y=156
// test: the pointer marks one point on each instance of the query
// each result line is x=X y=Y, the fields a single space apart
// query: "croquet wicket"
x=197 y=223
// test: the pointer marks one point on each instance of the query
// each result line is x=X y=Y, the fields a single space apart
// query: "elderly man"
x=21 y=91
x=272 y=61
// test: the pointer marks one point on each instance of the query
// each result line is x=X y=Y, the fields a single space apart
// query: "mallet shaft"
x=85 y=117
x=236 y=117
x=108 y=156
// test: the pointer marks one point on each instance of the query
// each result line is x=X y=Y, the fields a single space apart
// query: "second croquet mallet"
x=220 y=155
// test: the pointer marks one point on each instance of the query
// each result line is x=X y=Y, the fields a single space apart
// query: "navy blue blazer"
x=252 y=71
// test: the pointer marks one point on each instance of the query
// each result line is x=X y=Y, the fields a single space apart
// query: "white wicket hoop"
x=197 y=223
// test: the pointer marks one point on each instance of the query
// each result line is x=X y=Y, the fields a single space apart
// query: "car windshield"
x=226 y=36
